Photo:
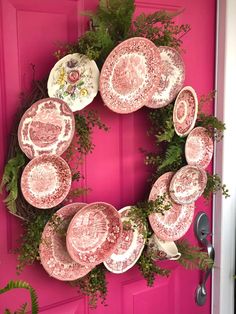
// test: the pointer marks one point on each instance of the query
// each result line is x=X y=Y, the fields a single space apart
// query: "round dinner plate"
x=130 y=74
x=171 y=79
x=74 y=78
x=130 y=247
x=52 y=249
x=46 y=181
x=199 y=148
x=188 y=184
x=47 y=127
x=185 y=111
x=175 y=222
x=94 y=233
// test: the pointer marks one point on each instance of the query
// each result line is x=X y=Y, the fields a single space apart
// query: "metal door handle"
x=202 y=231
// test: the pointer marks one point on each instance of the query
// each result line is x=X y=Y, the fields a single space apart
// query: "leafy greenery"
x=160 y=28
x=10 y=180
x=192 y=257
x=149 y=268
x=22 y=285
x=93 y=285
x=30 y=240
x=214 y=185
x=214 y=126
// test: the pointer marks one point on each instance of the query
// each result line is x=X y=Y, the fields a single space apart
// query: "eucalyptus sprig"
x=192 y=257
x=93 y=285
x=214 y=185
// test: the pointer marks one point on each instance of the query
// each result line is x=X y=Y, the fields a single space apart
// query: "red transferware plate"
x=176 y=221
x=94 y=233
x=52 y=250
x=185 y=111
x=188 y=184
x=47 y=127
x=130 y=247
x=46 y=181
x=171 y=80
x=130 y=74
x=199 y=148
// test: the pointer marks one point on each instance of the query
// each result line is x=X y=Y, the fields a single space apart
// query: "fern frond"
x=22 y=309
x=18 y=284
x=173 y=157
x=10 y=180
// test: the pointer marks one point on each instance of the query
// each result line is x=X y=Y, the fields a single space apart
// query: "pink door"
x=115 y=171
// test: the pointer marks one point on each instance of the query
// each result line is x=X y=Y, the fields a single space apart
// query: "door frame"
x=224 y=210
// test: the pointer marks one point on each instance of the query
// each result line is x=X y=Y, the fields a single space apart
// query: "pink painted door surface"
x=115 y=172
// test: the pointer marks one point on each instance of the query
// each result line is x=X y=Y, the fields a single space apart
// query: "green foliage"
x=30 y=240
x=214 y=126
x=139 y=214
x=22 y=285
x=149 y=268
x=93 y=285
x=214 y=185
x=160 y=28
x=10 y=180
x=192 y=257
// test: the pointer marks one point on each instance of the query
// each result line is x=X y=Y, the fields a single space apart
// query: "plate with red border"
x=171 y=79
x=46 y=181
x=175 y=222
x=94 y=233
x=130 y=74
x=75 y=79
x=185 y=111
x=47 y=127
x=130 y=247
x=188 y=184
x=199 y=148
x=52 y=250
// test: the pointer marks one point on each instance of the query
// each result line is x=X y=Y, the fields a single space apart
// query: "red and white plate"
x=185 y=111
x=188 y=184
x=199 y=148
x=47 y=127
x=130 y=247
x=175 y=222
x=52 y=250
x=46 y=181
x=130 y=74
x=74 y=78
x=171 y=79
x=94 y=233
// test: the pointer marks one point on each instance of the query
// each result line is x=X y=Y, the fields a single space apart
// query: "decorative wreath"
x=141 y=65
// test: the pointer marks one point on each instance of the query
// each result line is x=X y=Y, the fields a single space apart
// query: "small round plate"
x=199 y=148
x=46 y=181
x=52 y=250
x=188 y=184
x=185 y=111
x=74 y=78
x=171 y=80
x=176 y=221
x=47 y=127
x=94 y=233
x=130 y=75
x=130 y=247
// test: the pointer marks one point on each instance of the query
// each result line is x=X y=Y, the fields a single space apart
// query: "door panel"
x=115 y=171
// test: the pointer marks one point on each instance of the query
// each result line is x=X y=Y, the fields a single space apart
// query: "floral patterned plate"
x=46 y=181
x=130 y=247
x=185 y=111
x=176 y=221
x=46 y=127
x=52 y=250
x=199 y=148
x=171 y=80
x=129 y=75
x=94 y=233
x=188 y=184
x=74 y=79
